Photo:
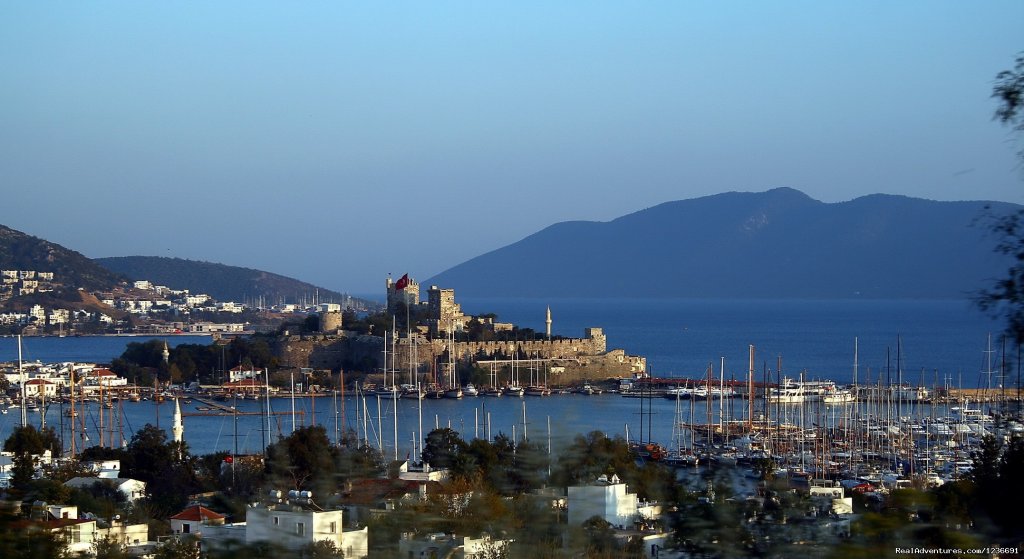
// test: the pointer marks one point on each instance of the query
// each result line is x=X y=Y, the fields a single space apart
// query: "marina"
x=869 y=438
x=807 y=415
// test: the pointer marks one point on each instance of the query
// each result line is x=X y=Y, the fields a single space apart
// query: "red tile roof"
x=197 y=513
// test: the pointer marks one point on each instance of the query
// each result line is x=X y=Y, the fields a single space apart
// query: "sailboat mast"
x=72 y=379
x=21 y=381
x=750 y=390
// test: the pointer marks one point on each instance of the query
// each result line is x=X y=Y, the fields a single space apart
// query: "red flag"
x=229 y=459
x=402 y=282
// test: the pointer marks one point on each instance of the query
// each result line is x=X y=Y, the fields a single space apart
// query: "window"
x=277 y=521
x=185 y=528
x=300 y=528
x=333 y=528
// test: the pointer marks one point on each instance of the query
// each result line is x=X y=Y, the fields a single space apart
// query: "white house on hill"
x=132 y=489
x=298 y=522
x=608 y=499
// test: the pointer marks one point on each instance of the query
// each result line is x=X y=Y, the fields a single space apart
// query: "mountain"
x=222 y=282
x=775 y=244
x=20 y=251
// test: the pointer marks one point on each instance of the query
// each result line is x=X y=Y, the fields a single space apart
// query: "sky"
x=338 y=142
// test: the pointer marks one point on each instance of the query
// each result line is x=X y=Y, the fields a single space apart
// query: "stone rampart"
x=323 y=351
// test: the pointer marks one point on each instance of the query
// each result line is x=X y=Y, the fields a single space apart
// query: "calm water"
x=86 y=349
x=938 y=341
x=568 y=414
x=681 y=337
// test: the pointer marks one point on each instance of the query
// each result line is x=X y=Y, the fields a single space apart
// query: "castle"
x=425 y=345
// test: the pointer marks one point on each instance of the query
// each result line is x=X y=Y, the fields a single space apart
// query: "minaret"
x=548 y=322
x=177 y=428
x=166 y=353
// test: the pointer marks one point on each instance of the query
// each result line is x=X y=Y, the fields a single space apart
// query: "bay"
x=939 y=342
x=944 y=339
x=82 y=349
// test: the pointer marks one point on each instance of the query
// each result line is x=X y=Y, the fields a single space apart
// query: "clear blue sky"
x=336 y=142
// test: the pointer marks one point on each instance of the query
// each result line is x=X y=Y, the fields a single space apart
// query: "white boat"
x=797 y=392
x=680 y=392
x=910 y=393
x=841 y=396
x=470 y=391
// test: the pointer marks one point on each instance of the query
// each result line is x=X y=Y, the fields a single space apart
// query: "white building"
x=450 y=545
x=39 y=387
x=608 y=499
x=295 y=525
x=81 y=534
x=132 y=489
x=241 y=372
x=196 y=300
x=103 y=377
x=193 y=519
x=230 y=306
x=60 y=316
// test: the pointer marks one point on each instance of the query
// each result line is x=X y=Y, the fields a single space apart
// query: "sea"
x=929 y=342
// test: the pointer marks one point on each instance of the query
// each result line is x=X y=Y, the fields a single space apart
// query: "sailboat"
x=453 y=390
x=536 y=388
x=513 y=389
x=492 y=391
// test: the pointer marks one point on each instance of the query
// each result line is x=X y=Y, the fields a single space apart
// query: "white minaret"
x=166 y=352
x=548 y=322
x=177 y=428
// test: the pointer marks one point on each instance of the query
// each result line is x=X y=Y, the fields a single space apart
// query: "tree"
x=26 y=443
x=1009 y=90
x=184 y=548
x=166 y=466
x=110 y=548
x=1005 y=297
x=30 y=541
x=27 y=440
x=321 y=549
x=304 y=460
x=442 y=448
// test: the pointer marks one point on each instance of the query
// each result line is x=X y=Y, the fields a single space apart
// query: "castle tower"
x=547 y=322
x=445 y=314
x=177 y=427
x=405 y=290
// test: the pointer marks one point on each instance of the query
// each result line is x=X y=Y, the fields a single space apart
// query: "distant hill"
x=222 y=282
x=20 y=251
x=775 y=244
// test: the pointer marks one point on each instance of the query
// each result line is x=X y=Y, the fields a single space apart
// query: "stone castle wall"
x=330 y=352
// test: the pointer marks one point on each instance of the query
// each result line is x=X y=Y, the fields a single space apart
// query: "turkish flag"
x=229 y=459
x=402 y=282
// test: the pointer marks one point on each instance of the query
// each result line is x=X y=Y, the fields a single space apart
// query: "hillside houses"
x=15 y=283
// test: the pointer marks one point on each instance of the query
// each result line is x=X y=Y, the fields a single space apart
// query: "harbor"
x=871 y=438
